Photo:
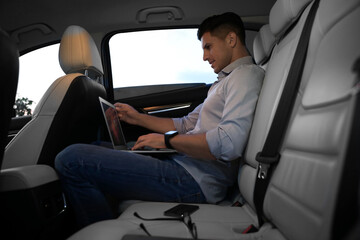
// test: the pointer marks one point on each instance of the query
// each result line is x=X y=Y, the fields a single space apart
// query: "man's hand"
x=127 y=113
x=153 y=140
x=192 y=145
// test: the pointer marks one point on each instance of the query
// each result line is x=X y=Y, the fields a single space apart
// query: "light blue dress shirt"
x=225 y=116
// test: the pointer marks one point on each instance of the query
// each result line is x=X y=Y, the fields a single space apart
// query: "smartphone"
x=180 y=209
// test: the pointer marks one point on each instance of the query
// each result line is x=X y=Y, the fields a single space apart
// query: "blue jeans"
x=90 y=172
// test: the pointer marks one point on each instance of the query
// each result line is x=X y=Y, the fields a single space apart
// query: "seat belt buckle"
x=262 y=170
x=264 y=164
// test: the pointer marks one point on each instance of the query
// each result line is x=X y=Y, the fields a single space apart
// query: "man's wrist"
x=168 y=135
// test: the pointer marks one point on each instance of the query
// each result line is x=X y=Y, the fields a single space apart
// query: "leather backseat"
x=301 y=196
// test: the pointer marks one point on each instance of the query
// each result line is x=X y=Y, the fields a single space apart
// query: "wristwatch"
x=168 y=135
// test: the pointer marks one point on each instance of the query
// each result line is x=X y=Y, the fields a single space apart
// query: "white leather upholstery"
x=263 y=44
x=25 y=147
x=26 y=177
x=258 y=49
x=275 y=77
x=77 y=53
x=213 y=222
x=305 y=183
x=284 y=13
x=300 y=200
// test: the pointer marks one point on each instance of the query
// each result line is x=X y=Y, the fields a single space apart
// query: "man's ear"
x=232 y=39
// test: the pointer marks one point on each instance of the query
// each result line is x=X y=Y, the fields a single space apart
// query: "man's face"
x=217 y=51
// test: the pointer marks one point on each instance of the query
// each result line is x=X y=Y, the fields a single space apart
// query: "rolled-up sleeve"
x=240 y=93
x=187 y=123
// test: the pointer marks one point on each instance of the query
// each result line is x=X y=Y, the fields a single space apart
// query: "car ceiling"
x=35 y=23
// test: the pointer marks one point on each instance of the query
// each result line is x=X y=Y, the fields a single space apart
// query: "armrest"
x=26 y=177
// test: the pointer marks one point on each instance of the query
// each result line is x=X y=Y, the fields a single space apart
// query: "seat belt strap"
x=269 y=155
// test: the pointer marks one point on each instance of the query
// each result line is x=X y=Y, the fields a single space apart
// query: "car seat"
x=69 y=111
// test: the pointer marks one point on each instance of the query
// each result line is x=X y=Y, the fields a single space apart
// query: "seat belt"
x=347 y=213
x=269 y=156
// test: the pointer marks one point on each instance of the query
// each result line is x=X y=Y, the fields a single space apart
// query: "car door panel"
x=175 y=100
x=170 y=101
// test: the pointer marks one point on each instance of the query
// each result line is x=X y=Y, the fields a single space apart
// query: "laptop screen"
x=113 y=124
x=115 y=131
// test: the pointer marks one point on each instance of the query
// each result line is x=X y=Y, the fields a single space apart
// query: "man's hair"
x=221 y=25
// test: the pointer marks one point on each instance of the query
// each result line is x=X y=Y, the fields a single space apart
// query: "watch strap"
x=168 y=136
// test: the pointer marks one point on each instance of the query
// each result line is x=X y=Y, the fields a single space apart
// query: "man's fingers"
x=139 y=143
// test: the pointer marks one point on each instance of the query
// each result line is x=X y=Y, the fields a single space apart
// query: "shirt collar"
x=229 y=68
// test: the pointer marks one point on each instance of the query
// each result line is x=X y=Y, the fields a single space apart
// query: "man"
x=209 y=140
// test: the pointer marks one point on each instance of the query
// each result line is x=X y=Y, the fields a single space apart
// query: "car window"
x=158 y=57
x=38 y=70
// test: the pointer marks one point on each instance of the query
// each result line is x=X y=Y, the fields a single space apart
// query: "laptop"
x=116 y=134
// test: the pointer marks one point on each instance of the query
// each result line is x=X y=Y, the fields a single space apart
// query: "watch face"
x=170 y=132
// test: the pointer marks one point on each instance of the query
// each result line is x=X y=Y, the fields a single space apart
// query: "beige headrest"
x=78 y=52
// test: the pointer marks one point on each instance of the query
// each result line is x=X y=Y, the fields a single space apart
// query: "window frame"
x=30 y=51
x=106 y=58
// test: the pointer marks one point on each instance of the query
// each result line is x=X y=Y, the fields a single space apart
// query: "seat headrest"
x=78 y=52
x=263 y=44
x=284 y=13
